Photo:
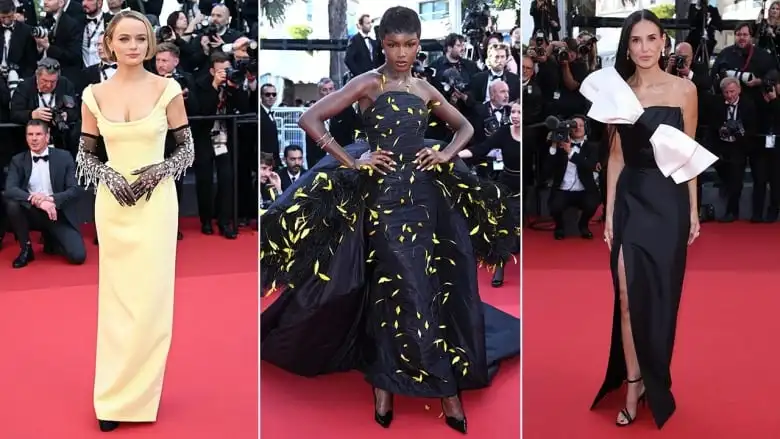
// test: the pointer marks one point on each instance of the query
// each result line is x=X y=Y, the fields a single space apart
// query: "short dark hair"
x=399 y=20
x=7 y=6
x=289 y=148
x=452 y=39
x=37 y=123
x=362 y=17
x=264 y=86
x=746 y=24
x=167 y=47
x=218 y=57
x=266 y=158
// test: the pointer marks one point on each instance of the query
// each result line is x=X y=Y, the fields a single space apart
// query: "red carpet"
x=48 y=318
x=340 y=406
x=724 y=373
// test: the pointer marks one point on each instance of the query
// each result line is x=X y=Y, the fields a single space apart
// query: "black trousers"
x=214 y=204
x=67 y=239
x=586 y=201
x=736 y=161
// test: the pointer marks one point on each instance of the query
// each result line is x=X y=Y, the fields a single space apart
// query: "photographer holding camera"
x=211 y=37
x=734 y=118
x=219 y=92
x=17 y=46
x=572 y=162
x=50 y=97
x=566 y=98
x=546 y=71
x=453 y=74
x=59 y=36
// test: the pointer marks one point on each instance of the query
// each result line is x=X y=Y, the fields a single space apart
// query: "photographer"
x=219 y=92
x=572 y=161
x=734 y=118
x=567 y=99
x=545 y=16
x=20 y=54
x=703 y=18
x=452 y=77
x=547 y=73
x=771 y=153
x=210 y=39
x=59 y=36
x=50 y=97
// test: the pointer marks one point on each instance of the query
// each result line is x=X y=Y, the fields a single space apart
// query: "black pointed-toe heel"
x=641 y=400
x=498 y=277
x=383 y=420
x=106 y=426
x=454 y=423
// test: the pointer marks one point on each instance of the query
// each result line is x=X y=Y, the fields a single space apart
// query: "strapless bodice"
x=397 y=122
x=635 y=139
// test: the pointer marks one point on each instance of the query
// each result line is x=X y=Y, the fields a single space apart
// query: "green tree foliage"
x=663 y=11
x=273 y=10
x=299 y=31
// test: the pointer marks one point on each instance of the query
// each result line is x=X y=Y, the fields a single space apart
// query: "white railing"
x=287 y=126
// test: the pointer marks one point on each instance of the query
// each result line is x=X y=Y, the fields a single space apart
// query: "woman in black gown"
x=376 y=247
x=650 y=222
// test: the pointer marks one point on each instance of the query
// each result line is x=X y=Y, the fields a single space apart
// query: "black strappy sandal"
x=641 y=400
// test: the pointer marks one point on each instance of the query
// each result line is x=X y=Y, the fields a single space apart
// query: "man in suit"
x=269 y=135
x=94 y=23
x=342 y=126
x=64 y=40
x=41 y=192
x=363 y=52
x=497 y=57
x=96 y=73
x=21 y=51
x=572 y=164
x=293 y=169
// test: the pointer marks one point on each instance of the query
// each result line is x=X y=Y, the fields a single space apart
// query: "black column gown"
x=381 y=271
x=651 y=224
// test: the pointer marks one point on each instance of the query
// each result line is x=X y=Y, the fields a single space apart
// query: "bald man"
x=684 y=51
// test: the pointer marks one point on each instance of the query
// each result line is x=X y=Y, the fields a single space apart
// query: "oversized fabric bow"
x=613 y=102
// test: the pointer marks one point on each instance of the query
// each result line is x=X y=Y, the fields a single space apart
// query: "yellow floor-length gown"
x=137 y=270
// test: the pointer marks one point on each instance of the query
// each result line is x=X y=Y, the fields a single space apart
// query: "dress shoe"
x=206 y=229
x=585 y=233
x=227 y=231
x=26 y=256
x=106 y=426
x=559 y=234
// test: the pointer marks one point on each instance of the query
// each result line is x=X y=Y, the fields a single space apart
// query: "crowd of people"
x=47 y=64
x=738 y=115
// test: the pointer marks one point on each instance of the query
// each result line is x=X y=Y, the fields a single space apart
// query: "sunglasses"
x=269 y=95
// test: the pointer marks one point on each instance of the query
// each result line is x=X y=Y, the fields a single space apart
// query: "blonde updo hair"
x=151 y=48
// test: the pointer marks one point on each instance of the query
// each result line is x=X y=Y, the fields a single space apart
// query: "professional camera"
x=536 y=52
x=178 y=77
x=539 y=39
x=769 y=84
x=454 y=80
x=421 y=72
x=731 y=128
x=585 y=48
x=165 y=33
x=561 y=54
x=10 y=72
x=745 y=77
x=477 y=19
x=44 y=28
x=491 y=125
x=59 y=118
x=559 y=129
x=679 y=62
x=207 y=29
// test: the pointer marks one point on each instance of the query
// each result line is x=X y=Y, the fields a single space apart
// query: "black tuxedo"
x=586 y=200
x=75 y=10
x=66 y=192
x=358 y=59
x=101 y=25
x=65 y=45
x=479 y=83
x=342 y=126
x=269 y=135
x=284 y=177
x=25 y=100
x=22 y=50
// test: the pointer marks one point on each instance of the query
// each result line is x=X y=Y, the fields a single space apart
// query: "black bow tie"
x=45 y=158
x=494 y=77
x=11 y=27
x=107 y=66
x=271 y=113
x=92 y=20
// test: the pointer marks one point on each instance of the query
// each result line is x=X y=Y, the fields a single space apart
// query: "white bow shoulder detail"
x=613 y=102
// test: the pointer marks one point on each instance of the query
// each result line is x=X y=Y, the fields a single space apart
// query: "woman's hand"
x=695 y=231
x=608 y=236
x=427 y=158
x=119 y=188
x=149 y=177
x=379 y=161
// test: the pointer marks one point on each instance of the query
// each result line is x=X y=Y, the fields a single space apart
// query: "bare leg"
x=383 y=401
x=452 y=407
x=635 y=390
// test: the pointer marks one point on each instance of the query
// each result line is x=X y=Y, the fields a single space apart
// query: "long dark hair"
x=623 y=64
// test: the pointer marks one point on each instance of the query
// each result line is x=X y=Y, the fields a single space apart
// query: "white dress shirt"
x=40 y=177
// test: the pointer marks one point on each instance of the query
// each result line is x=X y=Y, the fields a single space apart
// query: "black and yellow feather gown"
x=379 y=273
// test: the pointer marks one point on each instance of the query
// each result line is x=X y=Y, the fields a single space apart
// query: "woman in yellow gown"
x=136 y=216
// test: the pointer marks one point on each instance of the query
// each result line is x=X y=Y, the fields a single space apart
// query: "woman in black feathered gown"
x=376 y=259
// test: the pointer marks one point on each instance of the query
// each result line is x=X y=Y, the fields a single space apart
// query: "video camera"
x=44 y=28
x=560 y=130
x=452 y=79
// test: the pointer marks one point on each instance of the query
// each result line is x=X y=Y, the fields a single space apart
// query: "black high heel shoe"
x=387 y=418
x=641 y=400
x=454 y=423
x=106 y=426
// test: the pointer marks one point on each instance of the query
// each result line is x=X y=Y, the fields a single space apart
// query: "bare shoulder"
x=368 y=81
x=683 y=88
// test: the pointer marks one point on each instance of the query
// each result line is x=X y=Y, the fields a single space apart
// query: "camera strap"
x=750 y=56
x=91 y=35
x=50 y=103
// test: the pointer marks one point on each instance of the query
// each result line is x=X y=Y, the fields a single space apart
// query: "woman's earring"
x=628 y=56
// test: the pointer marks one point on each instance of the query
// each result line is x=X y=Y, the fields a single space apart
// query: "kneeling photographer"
x=221 y=92
x=571 y=164
x=50 y=97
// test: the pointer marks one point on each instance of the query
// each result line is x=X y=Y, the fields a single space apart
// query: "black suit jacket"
x=25 y=100
x=284 y=177
x=746 y=112
x=342 y=127
x=65 y=45
x=62 y=169
x=269 y=135
x=76 y=11
x=585 y=160
x=22 y=50
x=478 y=86
x=358 y=58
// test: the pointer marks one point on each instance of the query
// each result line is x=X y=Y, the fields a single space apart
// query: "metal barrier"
x=287 y=126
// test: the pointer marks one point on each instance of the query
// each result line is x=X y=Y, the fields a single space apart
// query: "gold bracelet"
x=325 y=145
x=322 y=138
